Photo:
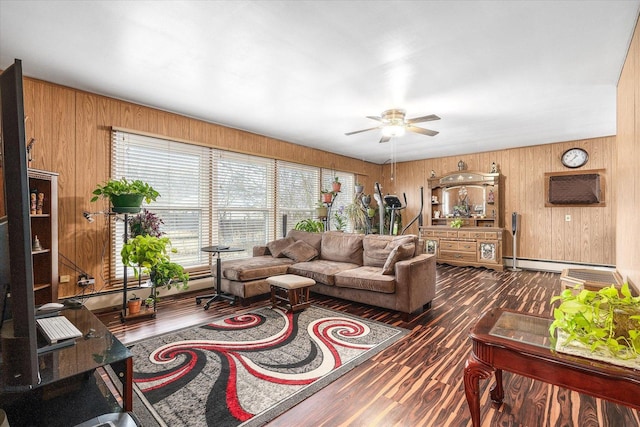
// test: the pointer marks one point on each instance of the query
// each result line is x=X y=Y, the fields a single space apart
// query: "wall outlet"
x=567 y=218
x=65 y=279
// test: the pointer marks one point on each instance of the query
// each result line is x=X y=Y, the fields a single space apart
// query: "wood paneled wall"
x=544 y=234
x=628 y=176
x=72 y=129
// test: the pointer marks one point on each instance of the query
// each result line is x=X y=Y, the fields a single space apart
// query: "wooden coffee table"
x=520 y=343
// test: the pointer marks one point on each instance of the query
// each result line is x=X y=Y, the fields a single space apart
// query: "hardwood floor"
x=418 y=381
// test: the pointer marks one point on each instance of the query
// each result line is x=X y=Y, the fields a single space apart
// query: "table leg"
x=475 y=369
x=497 y=392
x=218 y=294
x=124 y=371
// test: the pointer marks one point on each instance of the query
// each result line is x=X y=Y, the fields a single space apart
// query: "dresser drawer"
x=428 y=233
x=457 y=256
x=477 y=234
x=463 y=234
x=448 y=245
x=467 y=246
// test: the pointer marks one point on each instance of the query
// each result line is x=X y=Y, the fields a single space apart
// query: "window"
x=298 y=192
x=180 y=173
x=242 y=200
x=210 y=197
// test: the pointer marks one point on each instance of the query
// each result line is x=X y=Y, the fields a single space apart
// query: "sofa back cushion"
x=378 y=247
x=314 y=239
x=342 y=247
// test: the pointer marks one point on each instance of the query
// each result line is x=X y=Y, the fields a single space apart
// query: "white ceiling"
x=500 y=74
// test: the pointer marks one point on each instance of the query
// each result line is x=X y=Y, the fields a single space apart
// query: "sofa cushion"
x=366 y=278
x=399 y=253
x=322 y=271
x=277 y=246
x=253 y=268
x=343 y=247
x=314 y=239
x=377 y=248
x=300 y=251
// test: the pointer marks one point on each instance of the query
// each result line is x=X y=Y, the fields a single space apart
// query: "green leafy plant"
x=340 y=219
x=310 y=225
x=356 y=214
x=168 y=273
x=150 y=255
x=118 y=187
x=456 y=223
x=606 y=318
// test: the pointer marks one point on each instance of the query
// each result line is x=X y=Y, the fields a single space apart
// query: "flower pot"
x=126 y=203
x=134 y=305
x=359 y=189
x=336 y=186
x=327 y=197
x=321 y=212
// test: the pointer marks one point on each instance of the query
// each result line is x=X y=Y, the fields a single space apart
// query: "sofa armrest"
x=261 y=250
x=415 y=282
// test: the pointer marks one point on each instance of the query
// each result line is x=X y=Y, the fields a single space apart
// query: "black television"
x=18 y=335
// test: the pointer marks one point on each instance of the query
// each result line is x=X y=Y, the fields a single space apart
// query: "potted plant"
x=310 y=225
x=356 y=215
x=150 y=255
x=327 y=196
x=125 y=196
x=456 y=223
x=359 y=188
x=603 y=324
x=145 y=223
x=336 y=185
x=134 y=304
x=321 y=210
x=339 y=219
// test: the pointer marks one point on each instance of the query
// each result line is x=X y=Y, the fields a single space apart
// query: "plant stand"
x=124 y=313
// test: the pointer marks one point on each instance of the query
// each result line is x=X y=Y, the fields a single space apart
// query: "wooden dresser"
x=475 y=198
x=466 y=246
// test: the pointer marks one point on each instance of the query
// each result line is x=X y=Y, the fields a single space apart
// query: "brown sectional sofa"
x=384 y=271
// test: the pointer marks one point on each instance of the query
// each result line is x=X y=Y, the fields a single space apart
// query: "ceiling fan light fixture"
x=393 y=130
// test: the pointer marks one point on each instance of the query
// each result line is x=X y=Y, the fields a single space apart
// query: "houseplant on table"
x=603 y=324
x=125 y=196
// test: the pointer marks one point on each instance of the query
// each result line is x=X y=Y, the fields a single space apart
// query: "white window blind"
x=243 y=200
x=216 y=197
x=181 y=174
x=344 y=197
x=298 y=191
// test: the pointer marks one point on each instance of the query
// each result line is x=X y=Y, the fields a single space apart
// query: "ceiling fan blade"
x=427 y=132
x=385 y=139
x=376 y=118
x=363 y=130
x=428 y=118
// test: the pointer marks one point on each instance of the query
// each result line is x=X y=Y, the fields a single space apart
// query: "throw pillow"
x=277 y=246
x=399 y=253
x=300 y=251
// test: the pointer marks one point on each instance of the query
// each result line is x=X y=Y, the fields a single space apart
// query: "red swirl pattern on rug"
x=237 y=356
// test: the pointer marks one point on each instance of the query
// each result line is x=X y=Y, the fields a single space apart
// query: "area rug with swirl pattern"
x=248 y=368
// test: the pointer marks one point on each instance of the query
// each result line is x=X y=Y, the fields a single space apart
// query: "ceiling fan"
x=393 y=123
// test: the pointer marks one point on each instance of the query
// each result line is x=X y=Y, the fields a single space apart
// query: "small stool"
x=291 y=291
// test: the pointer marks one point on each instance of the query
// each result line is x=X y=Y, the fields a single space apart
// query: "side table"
x=218 y=294
x=520 y=343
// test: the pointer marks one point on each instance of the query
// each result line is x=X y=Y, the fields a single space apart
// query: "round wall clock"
x=575 y=157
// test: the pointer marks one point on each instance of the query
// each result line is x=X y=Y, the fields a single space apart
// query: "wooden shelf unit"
x=45 y=226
